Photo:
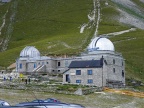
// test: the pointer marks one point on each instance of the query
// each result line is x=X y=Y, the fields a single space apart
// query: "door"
x=67 y=78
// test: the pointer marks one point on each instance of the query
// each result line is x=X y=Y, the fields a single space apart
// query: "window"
x=78 y=72
x=90 y=81
x=42 y=63
x=113 y=70
x=47 y=62
x=122 y=73
x=34 y=65
x=20 y=66
x=58 y=70
x=113 y=61
x=58 y=63
x=122 y=63
x=78 y=81
x=66 y=63
x=89 y=72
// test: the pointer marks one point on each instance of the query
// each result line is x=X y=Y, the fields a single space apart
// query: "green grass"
x=107 y=100
x=51 y=21
x=131 y=46
x=109 y=23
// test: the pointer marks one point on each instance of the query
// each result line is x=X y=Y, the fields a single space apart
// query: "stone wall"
x=96 y=76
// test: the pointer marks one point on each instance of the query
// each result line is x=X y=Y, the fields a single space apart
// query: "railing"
x=38 y=68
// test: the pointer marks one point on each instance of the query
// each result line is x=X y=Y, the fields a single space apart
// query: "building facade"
x=100 y=65
x=30 y=61
x=109 y=70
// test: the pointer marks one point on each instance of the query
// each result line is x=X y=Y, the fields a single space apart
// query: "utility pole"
x=102 y=69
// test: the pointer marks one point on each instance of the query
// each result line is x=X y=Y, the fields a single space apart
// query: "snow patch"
x=91 y=18
x=83 y=27
x=106 y=3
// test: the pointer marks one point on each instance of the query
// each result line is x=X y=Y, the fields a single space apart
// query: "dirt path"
x=10 y=27
x=98 y=16
x=93 y=17
x=4 y=20
x=120 y=32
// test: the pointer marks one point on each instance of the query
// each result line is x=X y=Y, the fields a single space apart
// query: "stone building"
x=100 y=65
x=30 y=62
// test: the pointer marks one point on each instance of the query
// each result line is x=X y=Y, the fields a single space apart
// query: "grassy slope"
x=129 y=44
x=3 y=9
x=51 y=19
x=50 y=24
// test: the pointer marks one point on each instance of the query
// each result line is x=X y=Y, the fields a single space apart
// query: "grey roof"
x=86 y=64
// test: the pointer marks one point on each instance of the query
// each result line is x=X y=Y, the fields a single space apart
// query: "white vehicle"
x=4 y=103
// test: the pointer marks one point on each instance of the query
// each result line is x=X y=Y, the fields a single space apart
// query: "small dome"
x=29 y=51
x=101 y=43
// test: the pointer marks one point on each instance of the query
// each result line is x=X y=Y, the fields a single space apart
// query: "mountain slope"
x=67 y=26
x=48 y=25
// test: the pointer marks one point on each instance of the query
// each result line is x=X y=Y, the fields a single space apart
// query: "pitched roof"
x=12 y=66
x=86 y=64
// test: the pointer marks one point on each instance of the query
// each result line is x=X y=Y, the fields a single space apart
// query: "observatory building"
x=99 y=66
x=31 y=62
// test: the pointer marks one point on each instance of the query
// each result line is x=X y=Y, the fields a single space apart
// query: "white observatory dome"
x=30 y=51
x=101 y=43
